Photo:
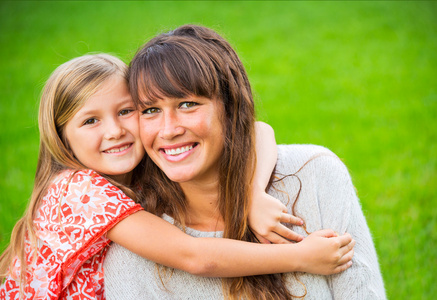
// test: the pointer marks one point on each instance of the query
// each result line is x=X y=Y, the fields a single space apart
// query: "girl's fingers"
x=271 y=238
x=277 y=239
x=286 y=233
x=290 y=219
x=343 y=267
x=261 y=239
x=327 y=233
x=346 y=258
x=345 y=249
x=344 y=239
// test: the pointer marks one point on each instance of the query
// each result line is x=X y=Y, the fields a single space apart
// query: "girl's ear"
x=66 y=144
x=64 y=140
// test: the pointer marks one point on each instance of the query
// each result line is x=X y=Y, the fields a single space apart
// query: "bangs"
x=172 y=70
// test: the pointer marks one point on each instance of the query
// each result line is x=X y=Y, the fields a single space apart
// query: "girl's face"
x=103 y=134
x=183 y=137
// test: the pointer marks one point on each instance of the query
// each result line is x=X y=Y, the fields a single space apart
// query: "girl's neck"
x=125 y=179
x=203 y=213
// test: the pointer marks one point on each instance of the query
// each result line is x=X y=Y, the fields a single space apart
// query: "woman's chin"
x=179 y=177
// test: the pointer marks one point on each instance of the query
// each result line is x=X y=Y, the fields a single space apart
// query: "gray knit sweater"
x=327 y=200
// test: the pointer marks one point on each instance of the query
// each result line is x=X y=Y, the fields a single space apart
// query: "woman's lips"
x=177 y=153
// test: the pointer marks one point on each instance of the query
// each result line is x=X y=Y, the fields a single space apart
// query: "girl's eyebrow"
x=95 y=110
x=126 y=100
x=87 y=113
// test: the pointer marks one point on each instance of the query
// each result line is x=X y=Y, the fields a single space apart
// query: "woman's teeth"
x=115 y=150
x=177 y=151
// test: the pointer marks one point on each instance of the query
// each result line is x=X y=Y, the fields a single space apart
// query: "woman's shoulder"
x=295 y=156
x=325 y=182
x=303 y=149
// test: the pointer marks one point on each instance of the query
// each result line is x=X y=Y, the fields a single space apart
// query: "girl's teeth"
x=118 y=150
x=178 y=151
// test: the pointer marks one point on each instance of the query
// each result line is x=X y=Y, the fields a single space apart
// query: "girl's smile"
x=118 y=149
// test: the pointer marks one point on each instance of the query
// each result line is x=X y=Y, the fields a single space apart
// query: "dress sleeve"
x=76 y=214
x=340 y=210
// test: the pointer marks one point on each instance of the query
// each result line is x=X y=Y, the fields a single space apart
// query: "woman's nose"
x=171 y=127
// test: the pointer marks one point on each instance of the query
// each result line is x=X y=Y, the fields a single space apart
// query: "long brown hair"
x=196 y=61
x=65 y=92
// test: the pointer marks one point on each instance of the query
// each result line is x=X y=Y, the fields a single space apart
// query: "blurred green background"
x=358 y=77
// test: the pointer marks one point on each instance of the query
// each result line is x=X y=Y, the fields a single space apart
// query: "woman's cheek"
x=147 y=132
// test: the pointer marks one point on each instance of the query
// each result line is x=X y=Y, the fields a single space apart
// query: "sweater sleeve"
x=340 y=210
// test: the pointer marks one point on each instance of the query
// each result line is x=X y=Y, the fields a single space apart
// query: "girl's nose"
x=114 y=130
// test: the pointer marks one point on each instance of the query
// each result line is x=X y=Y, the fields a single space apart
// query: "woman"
x=195 y=98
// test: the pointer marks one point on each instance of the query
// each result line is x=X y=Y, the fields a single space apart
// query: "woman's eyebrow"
x=146 y=102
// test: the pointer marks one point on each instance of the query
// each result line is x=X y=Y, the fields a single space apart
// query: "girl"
x=83 y=198
x=194 y=94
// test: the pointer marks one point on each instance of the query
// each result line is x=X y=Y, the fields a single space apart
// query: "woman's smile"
x=176 y=150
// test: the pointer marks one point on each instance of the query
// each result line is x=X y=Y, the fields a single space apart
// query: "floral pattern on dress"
x=71 y=225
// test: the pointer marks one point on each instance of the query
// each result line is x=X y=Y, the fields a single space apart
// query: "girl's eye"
x=90 y=121
x=151 y=110
x=187 y=104
x=124 y=112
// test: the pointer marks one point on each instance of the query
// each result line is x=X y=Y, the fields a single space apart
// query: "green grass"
x=358 y=77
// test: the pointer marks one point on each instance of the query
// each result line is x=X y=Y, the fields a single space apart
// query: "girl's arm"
x=157 y=240
x=266 y=212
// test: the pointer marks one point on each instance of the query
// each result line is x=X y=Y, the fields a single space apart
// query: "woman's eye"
x=187 y=104
x=151 y=110
x=90 y=121
x=124 y=112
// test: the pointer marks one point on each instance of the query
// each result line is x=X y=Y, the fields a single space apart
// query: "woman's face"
x=183 y=137
x=104 y=134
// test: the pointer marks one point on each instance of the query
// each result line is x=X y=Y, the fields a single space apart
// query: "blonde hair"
x=65 y=92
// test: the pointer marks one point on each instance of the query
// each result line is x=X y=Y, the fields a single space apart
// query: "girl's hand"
x=266 y=213
x=265 y=217
x=325 y=252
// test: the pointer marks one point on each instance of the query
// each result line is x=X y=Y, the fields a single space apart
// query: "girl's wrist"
x=258 y=188
x=299 y=259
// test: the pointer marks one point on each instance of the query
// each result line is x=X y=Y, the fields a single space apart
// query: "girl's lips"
x=177 y=153
x=118 y=150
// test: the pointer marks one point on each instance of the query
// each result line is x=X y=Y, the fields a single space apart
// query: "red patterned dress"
x=71 y=225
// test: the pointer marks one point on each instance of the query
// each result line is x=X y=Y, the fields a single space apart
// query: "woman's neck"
x=203 y=213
